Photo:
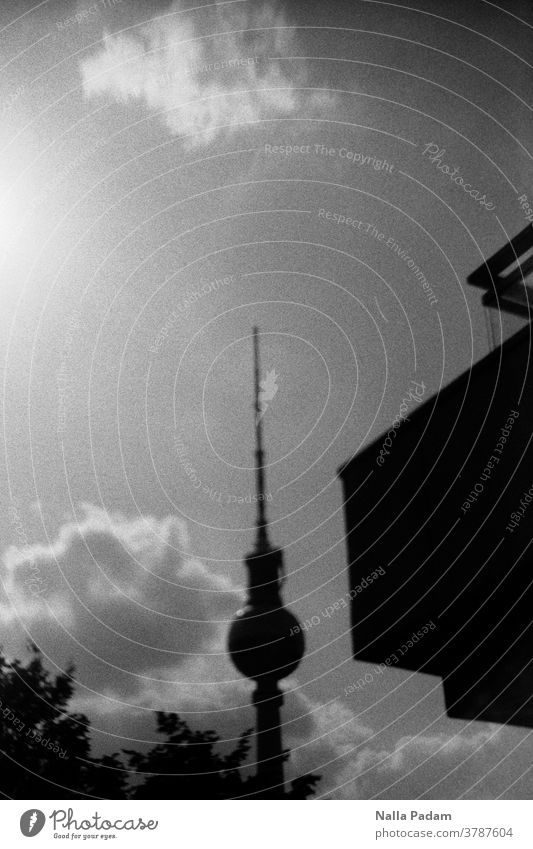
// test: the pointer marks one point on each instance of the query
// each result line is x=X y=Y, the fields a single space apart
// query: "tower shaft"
x=268 y=700
x=265 y=642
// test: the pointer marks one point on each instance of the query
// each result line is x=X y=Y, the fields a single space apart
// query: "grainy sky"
x=171 y=176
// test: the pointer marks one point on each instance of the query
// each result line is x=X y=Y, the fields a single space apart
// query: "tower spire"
x=265 y=640
x=262 y=543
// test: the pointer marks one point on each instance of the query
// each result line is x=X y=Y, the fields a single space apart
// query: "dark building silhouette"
x=505 y=275
x=261 y=644
x=443 y=502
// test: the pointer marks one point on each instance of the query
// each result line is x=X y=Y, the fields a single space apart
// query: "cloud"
x=207 y=79
x=330 y=740
x=146 y=623
x=146 y=626
x=482 y=764
x=121 y=597
x=319 y=735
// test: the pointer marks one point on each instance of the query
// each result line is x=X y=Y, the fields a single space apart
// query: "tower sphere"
x=265 y=642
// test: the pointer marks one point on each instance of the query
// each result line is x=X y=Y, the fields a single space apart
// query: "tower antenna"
x=265 y=639
x=262 y=543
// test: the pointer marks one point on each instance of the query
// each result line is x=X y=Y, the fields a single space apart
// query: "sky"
x=172 y=175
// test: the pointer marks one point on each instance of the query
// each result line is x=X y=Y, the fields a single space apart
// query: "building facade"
x=447 y=511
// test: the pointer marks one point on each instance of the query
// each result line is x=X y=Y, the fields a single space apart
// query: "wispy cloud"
x=119 y=595
x=207 y=77
x=146 y=624
x=471 y=764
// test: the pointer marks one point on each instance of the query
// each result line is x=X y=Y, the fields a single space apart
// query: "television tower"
x=260 y=642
